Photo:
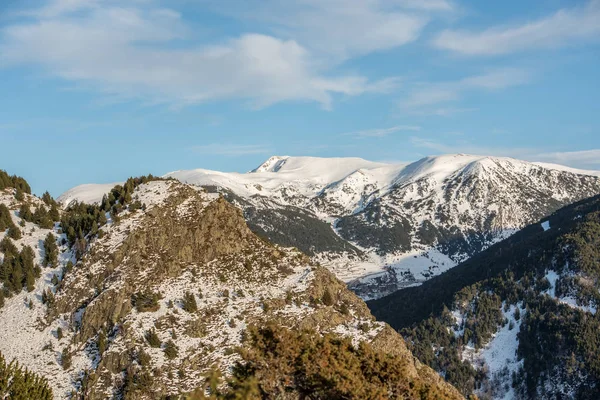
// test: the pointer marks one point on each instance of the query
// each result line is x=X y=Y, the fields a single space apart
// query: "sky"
x=95 y=91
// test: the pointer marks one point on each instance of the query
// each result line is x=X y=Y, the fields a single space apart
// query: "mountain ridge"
x=391 y=225
x=164 y=285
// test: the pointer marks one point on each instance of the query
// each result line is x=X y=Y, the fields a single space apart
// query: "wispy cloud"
x=131 y=51
x=370 y=133
x=562 y=28
x=426 y=98
x=232 y=150
x=583 y=159
x=340 y=29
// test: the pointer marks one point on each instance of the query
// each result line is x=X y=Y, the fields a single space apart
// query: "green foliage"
x=50 y=251
x=171 y=350
x=551 y=335
x=277 y=361
x=291 y=227
x=14 y=233
x=145 y=301
x=47 y=297
x=152 y=338
x=17 y=269
x=188 y=303
x=66 y=359
x=25 y=212
x=7 y=181
x=6 y=221
x=82 y=221
x=20 y=384
x=19 y=195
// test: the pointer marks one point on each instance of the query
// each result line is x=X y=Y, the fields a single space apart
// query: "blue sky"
x=99 y=90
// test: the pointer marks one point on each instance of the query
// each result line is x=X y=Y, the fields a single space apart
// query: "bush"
x=188 y=303
x=171 y=350
x=146 y=301
x=19 y=383
x=152 y=338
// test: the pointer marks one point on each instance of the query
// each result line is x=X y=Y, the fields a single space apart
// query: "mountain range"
x=481 y=275
x=161 y=291
x=381 y=227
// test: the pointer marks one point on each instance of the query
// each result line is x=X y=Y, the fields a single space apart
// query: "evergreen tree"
x=189 y=303
x=19 y=384
x=152 y=338
x=25 y=212
x=51 y=251
x=14 y=233
x=171 y=350
x=6 y=221
x=19 y=196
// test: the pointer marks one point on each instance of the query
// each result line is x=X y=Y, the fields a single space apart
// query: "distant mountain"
x=161 y=288
x=381 y=227
x=518 y=320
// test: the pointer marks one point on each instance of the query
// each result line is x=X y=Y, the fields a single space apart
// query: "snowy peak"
x=273 y=164
x=315 y=168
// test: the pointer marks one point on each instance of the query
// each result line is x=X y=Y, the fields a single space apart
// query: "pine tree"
x=19 y=196
x=25 y=212
x=14 y=233
x=152 y=338
x=189 y=303
x=47 y=199
x=171 y=350
x=16 y=278
x=53 y=214
x=51 y=251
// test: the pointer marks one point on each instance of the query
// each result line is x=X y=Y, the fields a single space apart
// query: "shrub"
x=145 y=301
x=171 y=350
x=152 y=338
x=188 y=303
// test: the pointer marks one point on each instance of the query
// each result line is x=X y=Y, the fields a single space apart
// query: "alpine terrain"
x=160 y=290
x=517 y=321
x=381 y=227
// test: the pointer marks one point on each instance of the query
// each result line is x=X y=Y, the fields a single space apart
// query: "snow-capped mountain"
x=391 y=225
x=518 y=320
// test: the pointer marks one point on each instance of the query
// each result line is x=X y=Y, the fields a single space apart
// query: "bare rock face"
x=168 y=293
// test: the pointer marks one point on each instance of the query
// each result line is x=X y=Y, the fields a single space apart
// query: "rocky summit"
x=161 y=290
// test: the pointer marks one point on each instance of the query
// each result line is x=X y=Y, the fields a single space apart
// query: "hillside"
x=381 y=227
x=518 y=320
x=161 y=288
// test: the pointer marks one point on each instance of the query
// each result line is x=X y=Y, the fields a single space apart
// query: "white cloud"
x=580 y=159
x=382 y=132
x=560 y=29
x=232 y=150
x=340 y=29
x=126 y=52
x=583 y=159
x=425 y=98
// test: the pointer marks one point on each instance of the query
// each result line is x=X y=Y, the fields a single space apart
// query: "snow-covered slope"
x=88 y=193
x=518 y=320
x=407 y=221
x=162 y=294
